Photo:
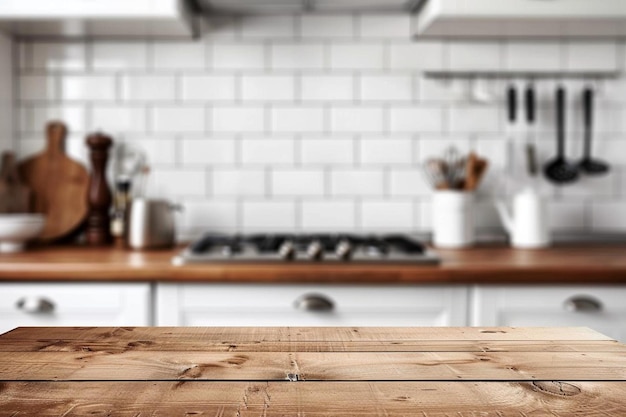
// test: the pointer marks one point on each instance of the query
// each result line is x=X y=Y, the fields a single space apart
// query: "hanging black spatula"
x=559 y=170
x=588 y=164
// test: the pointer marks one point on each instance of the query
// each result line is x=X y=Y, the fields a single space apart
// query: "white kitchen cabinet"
x=69 y=304
x=295 y=305
x=600 y=308
x=520 y=18
x=93 y=19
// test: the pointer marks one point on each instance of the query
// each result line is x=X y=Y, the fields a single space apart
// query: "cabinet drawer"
x=64 y=304
x=601 y=308
x=296 y=305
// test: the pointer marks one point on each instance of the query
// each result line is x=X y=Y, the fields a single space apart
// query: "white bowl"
x=17 y=229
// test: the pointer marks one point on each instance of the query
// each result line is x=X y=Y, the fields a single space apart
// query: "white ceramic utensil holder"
x=453 y=219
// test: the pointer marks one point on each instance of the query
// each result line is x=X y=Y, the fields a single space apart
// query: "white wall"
x=316 y=122
x=6 y=93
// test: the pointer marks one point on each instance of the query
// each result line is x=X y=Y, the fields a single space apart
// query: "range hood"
x=520 y=19
x=98 y=18
x=255 y=7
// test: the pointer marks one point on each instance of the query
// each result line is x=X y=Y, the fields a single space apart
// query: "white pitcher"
x=528 y=225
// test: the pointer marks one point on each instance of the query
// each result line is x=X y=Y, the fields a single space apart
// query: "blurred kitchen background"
x=319 y=121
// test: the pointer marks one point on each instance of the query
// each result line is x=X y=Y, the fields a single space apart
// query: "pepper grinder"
x=99 y=197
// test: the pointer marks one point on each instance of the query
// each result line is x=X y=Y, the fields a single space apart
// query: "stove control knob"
x=315 y=251
x=344 y=250
x=287 y=250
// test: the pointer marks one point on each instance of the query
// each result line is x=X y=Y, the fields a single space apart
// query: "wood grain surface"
x=59 y=185
x=314 y=399
x=84 y=372
x=604 y=264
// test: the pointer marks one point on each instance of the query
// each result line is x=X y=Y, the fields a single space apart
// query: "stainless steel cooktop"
x=311 y=248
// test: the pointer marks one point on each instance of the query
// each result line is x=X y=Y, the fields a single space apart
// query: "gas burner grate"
x=320 y=247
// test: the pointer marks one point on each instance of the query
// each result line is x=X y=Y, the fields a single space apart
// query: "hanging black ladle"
x=588 y=164
x=559 y=170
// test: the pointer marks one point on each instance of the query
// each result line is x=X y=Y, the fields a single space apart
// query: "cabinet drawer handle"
x=35 y=305
x=314 y=302
x=583 y=304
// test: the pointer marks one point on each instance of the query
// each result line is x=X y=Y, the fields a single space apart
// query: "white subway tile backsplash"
x=495 y=151
x=321 y=122
x=416 y=119
x=388 y=216
x=608 y=216
x=466 y=119
x=297 y=56
x=178 y=55
x=75 y=147
x=264 y=27
x=238 y=182
x=533 y=56
x=298 y=120
x=208 y=88
x=291 y=182
x=327 y=151
x=592 y=56
x=66 y=56
x=353 y=182
x=210 y=215
x=386 y=88
x=408 y=183
x=28 y=146
x=356 y=56
x=417 y=56
x=88 y=87
x=118 y=119
x=119 y=56
x=149 y=88
x=357 y=119
x=229 y=119
x=238 y=56
x=386 y=151
x=567 y=215
x=610 y=150
x=330 y=216
x=269 y=215
x=443 y=90
x=208 y=151
x=38 y=116
x=177 y=182
x=475 y=56
x=268 y=88
x=435 y=146
x=178 y=119
x=37 y=87
x=376 y=26
x=327 y=88
x=590 y=186
x=327 y=26
x=485 y=214
x=268 y=151
x=158 y=150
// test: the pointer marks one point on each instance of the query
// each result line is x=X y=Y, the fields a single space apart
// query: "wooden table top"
x=311 y=372
x=597 y=264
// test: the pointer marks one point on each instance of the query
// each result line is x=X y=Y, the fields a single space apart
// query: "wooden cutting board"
x=59 y=185
x=14 y=195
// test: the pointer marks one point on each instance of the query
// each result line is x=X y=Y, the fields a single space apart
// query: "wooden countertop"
x=312 y=372
x=604 y=264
